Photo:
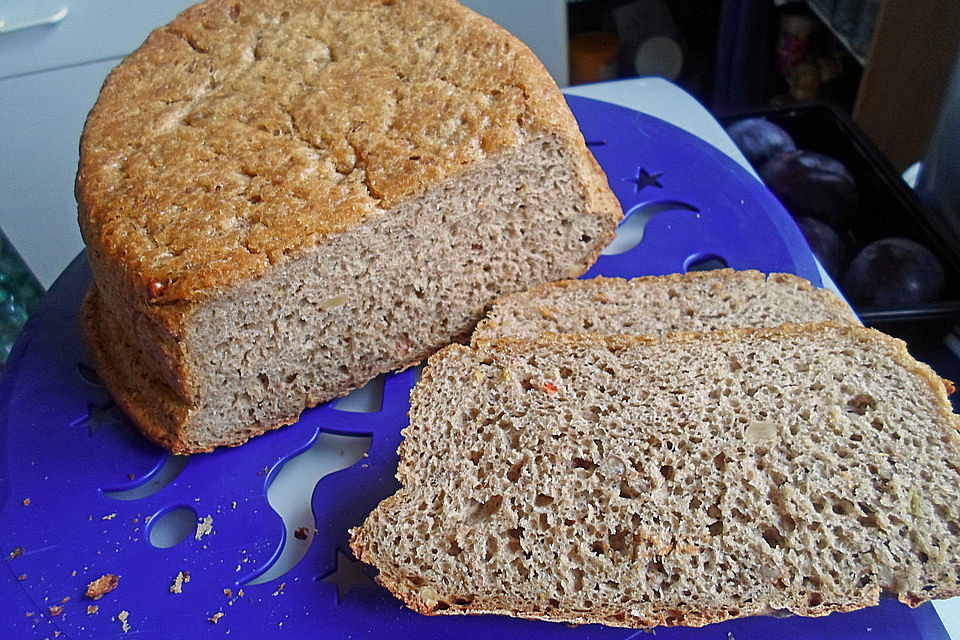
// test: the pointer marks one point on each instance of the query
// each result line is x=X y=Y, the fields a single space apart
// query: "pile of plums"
x=821 y=195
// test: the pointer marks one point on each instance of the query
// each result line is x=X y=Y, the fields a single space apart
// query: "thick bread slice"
x=639 y=482
x=657 y=305
x=282 y=200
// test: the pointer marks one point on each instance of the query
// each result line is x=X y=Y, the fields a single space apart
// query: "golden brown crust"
x=213 y=153
x=146 y=400
x=666 y=617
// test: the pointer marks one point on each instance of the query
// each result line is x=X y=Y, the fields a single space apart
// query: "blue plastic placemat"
x=63 y=445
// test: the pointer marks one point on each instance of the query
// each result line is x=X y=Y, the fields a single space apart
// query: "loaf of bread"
x=637 y=482
x=657 y=305
x=281 y=200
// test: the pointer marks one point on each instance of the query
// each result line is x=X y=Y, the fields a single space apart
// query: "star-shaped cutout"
x=645 y=179
x=348 y=575
x=98 y=416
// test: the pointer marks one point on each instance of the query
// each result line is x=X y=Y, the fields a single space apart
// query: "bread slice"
x=657 y=305
x=282 y=200
x=638 y=482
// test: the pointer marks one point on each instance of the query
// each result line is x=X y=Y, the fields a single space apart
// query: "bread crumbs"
x=92 y=609
x=102 y=586
x=65 y=600
x=26 y=502
x=279 y=589
x=109 y=517
x=204 y=527
x=215 y=617
x=124 y=623
x=16 y=553
x=56 y=610
x=177 y=586
x=22 y=577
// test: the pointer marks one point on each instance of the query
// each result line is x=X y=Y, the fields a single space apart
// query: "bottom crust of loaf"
x=161 y=415
x=148 y=401
x=144 y=397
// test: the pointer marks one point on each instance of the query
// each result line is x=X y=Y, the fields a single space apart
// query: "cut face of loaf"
x=683 y=481
x=282 y=200
x=657 y=305
x=375 y=299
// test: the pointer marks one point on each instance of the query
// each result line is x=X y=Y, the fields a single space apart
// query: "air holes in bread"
x=773 y=537
x=585 y=464
x=543 y=500
x=626 y=491
x=862 y=402
x=486 y=510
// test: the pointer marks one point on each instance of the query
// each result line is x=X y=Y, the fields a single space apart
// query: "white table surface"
x=291 y=491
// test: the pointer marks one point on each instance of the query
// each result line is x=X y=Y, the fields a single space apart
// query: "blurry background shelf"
x=851 y=22
x=906 y=49
x=914 y=49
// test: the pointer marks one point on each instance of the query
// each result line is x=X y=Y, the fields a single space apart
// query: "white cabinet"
x=43 y=115
x=50 y=74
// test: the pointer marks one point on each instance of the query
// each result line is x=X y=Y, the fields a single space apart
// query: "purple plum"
x=893 y=273
x=826 y=244
x=812 y=184
x=760 y=140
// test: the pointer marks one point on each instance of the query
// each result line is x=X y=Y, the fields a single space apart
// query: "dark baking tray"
x=888 y=207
